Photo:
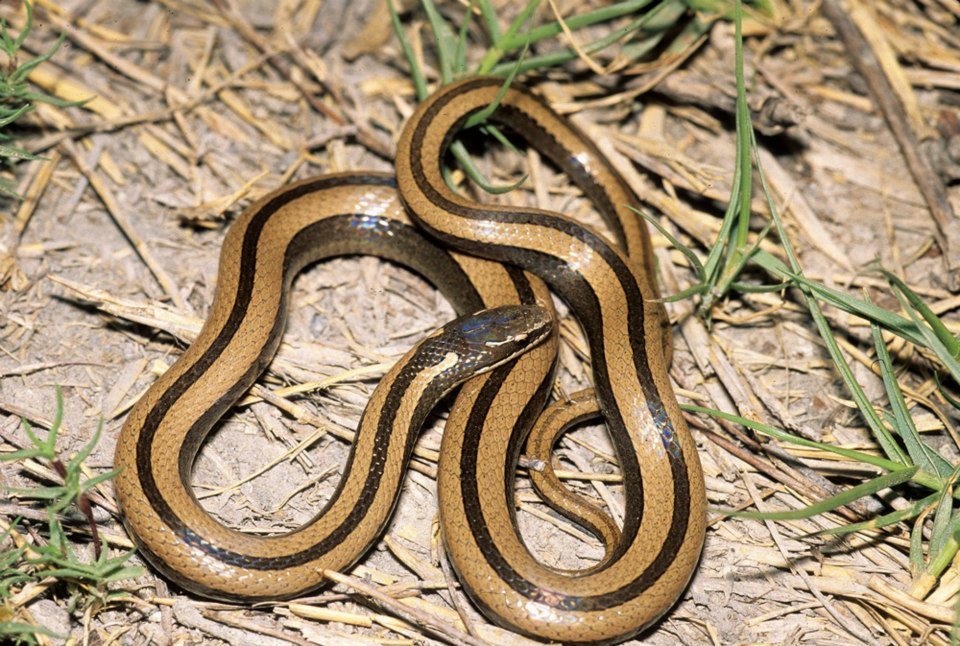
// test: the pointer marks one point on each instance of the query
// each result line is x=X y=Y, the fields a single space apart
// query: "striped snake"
x=480 y=257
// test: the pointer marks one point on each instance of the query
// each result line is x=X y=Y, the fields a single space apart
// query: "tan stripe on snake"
x=609 y=287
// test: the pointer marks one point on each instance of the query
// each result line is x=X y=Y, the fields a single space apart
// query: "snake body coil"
x=610 y=288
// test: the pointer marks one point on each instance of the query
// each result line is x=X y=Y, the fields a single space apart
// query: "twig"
x=418 y=617
x=29 y=368
x=250 y=626
x=35 y=192
x=188 y=614
x=458 y=604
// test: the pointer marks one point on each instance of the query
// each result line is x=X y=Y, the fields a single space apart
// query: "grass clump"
x=27 y=567
x=910 y=465
x=16 y=96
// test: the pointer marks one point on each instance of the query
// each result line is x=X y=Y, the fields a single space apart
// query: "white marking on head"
x=520 y=336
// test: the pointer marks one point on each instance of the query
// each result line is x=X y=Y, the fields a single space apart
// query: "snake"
x=497 y=265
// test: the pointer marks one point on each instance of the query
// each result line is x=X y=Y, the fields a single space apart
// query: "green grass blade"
x=496 y=52
x=23 y=454
x=460 y=55
x=51 y=442
x=460 y=153
x=131 y=572
x=559 y=57
x=481 y=116
x=416 y=74
x=949 y=341
x=919 y=452
x=715 y=256
x=52 y=100
x=756 y=288
x=885 y=520
x=882 y=435
x=744 y=129
x=682 y=248
x=693 y=290
x=953 y=401
x=940 y=531
x=11 y=116
x=916 y=547
x=868 y=488
x=867 y=411
x=444 y=39
x=20 y=74
x=20 y=630
x=491 y=130
x=739 y=261
x=13 y=152
x=490 y=21
x=28 y=25
x=90 y=483
x=85 y=451
x=932 y=341
x=902 y=327
x=552 y=29
x=938 y=562
x=36 y=493
x=777 y=434
x=7 y=42
x=657 y=30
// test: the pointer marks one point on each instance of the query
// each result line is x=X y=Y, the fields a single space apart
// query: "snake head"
x=479 y=342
